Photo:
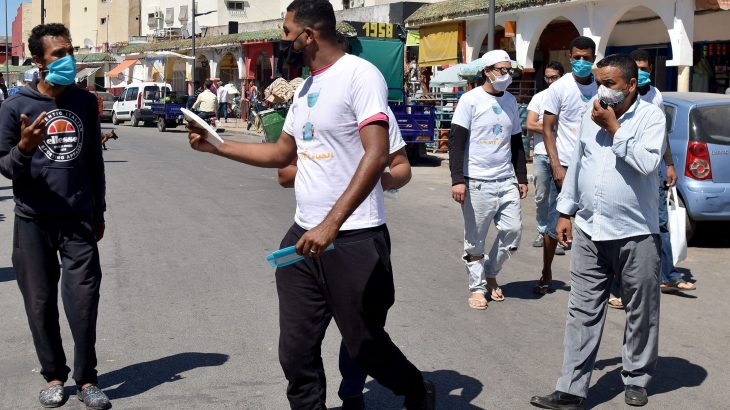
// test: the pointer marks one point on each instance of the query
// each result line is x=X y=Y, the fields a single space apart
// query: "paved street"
x=188 y=316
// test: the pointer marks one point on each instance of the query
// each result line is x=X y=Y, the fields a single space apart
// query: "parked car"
x=108 y=102
x=699 y=134
x=134 y=102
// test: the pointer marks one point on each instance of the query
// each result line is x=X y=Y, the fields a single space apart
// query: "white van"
x=134 y=102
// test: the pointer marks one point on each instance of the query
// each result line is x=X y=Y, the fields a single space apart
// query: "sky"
x=12 y=10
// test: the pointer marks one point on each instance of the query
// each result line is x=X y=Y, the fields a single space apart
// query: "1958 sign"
x=375 y=30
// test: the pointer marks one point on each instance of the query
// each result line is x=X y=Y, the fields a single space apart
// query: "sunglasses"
x=503 y=70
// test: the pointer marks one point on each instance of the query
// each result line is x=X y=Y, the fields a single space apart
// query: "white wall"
x=651 y=32
x=714 y=26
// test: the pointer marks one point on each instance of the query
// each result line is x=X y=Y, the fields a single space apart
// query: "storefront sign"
x=377 y=30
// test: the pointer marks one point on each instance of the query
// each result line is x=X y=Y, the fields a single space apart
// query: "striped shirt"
x=611 y=183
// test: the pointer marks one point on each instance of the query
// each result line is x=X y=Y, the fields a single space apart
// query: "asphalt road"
x=188 y=316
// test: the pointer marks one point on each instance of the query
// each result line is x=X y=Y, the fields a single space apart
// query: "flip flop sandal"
x=498 y=298
x=542 y=287
x=674 y=286
x=475 y=306
x=615 y=303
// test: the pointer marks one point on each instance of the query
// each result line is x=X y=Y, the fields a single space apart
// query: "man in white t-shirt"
x=565 y=102
x=397 y=176
x=337 y=128
x=222 y=94
x=488 y=175
x=546 y=216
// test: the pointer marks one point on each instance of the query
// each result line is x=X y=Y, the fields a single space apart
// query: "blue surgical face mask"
x=62 y=72
x=644 y=78
x=581 y=68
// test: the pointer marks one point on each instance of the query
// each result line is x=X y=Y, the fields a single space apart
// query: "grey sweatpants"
x=593 y=266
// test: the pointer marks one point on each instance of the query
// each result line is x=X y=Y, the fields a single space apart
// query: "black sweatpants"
x=37 y=245
x=354 y=284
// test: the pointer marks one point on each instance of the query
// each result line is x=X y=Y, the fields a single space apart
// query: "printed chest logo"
x=65 y=136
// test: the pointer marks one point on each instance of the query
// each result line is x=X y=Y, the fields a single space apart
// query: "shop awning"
x=86 y=72
x=439 y=44
x=121 y=67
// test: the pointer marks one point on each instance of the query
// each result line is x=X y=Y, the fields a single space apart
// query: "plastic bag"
x=677 y=226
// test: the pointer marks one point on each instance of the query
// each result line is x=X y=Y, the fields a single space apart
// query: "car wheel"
x=171 y=124
x=115 y=120
x=135 y=121
x=161 y=124
x=691 y=225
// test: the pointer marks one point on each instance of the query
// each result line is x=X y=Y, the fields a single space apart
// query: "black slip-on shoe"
x=353 y=403
x=558 y=400
x=53 y=396
x=94 y=398
x=636 y=396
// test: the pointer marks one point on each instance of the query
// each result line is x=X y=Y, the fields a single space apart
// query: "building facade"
x=22 y=26
x=117 y=21
x=173 y=18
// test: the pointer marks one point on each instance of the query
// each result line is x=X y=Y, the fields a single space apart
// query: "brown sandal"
x=542 y=287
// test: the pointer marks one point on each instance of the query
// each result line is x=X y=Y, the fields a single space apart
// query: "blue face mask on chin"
x=644 y=78
x=62 y=72
x=581 y=68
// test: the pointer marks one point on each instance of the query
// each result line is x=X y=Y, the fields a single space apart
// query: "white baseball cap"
x=493 y=57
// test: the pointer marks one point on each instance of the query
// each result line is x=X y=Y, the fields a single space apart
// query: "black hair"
x=35 y=41
x=556 y=65
x=624 y=63
x=640 y=55
x=583 y=43
x=317 y=14
x=207 y=84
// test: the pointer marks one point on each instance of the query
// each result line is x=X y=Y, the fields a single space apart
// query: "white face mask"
x=502 y=82
x=610 y=96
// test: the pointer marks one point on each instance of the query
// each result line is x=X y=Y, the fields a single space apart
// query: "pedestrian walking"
x=488 y=175
x=563 y=107
x=340 y=137
x=610 y=190
x=671 y=279
x=222 y=95
x=546 y=216
x=50 y=147
x=396 y=177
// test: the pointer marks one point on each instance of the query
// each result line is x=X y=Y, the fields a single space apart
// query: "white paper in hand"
x=211 y=135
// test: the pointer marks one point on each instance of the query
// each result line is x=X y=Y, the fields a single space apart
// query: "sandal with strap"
x=616 y=303
x=676 y=285
x=476 y=303
x=542 y=287
x=499 y=297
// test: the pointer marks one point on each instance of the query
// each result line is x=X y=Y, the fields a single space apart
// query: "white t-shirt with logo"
x=654 y=96
x=491 y=122
x=324 y=120
x=536 y=107
x=569 y=100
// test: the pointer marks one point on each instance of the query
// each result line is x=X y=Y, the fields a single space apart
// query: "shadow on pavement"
x=712 y=235
x=5 y=198
x=2 y=188
x=525 y=289
x=141 y=377
x=114 y=161
x=454 y=391
x=673 y=373
x=2 y=218
x=7 y=274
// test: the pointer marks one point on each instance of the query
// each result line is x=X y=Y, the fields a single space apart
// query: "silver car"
x=108 y=101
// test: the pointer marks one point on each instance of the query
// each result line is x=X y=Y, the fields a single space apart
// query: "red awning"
x=121 y=67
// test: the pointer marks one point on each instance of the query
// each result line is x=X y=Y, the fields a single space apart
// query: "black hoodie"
x=65 y=174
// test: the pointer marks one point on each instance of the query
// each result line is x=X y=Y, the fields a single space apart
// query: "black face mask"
x=288 y=55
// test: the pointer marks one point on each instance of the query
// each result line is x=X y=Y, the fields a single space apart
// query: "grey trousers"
x=593 y=266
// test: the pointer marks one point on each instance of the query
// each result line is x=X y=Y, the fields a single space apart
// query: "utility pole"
x=43 y=11
x=492 y=34
x=196 y=14
x=7 y=57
